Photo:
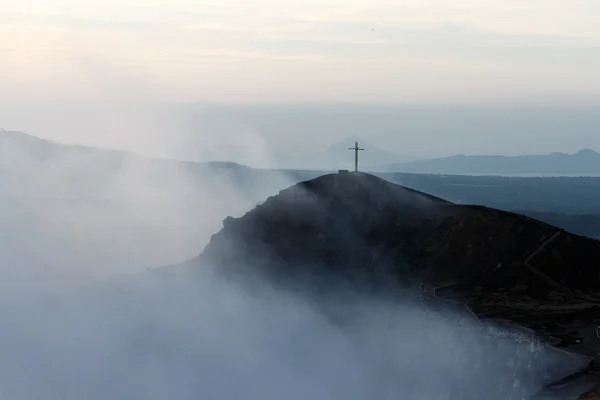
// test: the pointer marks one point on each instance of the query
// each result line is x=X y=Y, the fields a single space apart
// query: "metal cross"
x=356 y=150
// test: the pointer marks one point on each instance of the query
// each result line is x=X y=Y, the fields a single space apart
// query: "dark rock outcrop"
x=361 y=229
x=344 y=224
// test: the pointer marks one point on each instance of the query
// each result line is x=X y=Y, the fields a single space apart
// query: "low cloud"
x=193 y=335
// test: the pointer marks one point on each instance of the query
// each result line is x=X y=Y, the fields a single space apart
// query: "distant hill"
x=338 y=156
x=29 y=165
x=584 y=162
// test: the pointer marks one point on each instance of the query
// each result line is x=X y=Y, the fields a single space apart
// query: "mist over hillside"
x=115 y=212
x=75 y=214
x=186 y=332
x=83 y=229
x=193 y=336
x=182 y=216
x=273 y=135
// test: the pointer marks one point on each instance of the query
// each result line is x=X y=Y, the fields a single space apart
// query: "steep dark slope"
x=338 y=222
x=322 y=220
x=504 y=266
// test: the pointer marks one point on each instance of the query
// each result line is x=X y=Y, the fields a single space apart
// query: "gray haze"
x=420 y=79
x=73 y=215
x=296 y=135
x=203 y=338
x=495 y=77
x=76 y=220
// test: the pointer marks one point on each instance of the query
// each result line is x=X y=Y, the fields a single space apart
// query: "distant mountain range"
x=584 y=162
x=17 y=148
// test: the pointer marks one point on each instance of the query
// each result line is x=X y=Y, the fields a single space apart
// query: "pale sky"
x=270 y=50
x=111 y=52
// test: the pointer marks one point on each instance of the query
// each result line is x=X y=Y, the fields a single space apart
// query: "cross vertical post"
x=356 y=150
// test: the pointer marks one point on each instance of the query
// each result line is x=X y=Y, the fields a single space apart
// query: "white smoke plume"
x=74 y=218
x=188 y=334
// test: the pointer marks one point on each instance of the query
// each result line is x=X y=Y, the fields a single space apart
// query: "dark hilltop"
x=356 y=221
x=504 y=268
x=340 y=223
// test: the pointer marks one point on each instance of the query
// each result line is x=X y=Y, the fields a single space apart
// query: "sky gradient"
x=332 y=50
x=83 y=57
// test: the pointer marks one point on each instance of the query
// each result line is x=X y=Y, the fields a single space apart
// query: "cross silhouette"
x=356 y=150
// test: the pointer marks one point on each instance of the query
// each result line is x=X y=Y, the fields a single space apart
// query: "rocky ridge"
x=504 y=267
x=358 y=221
